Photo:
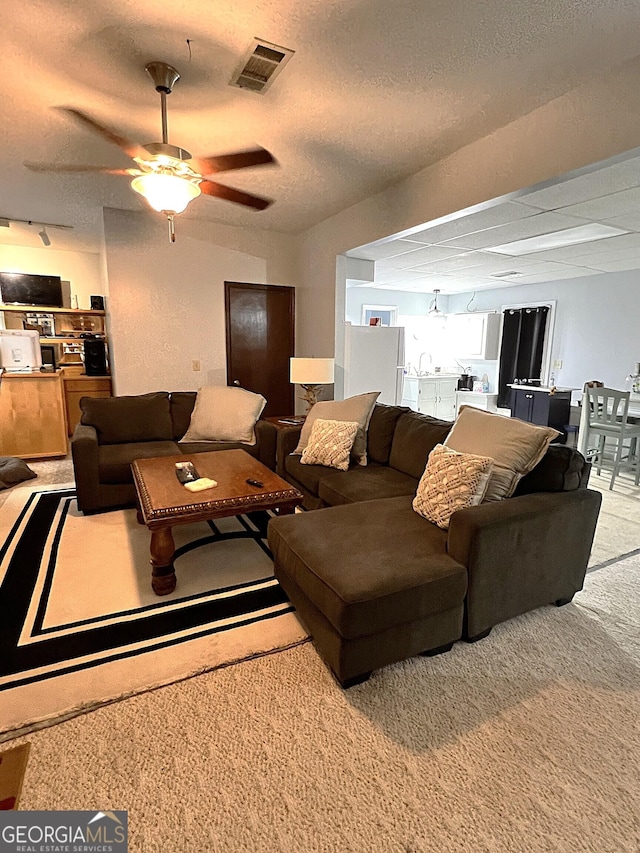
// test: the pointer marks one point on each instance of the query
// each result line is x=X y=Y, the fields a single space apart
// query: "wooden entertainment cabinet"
x=39 y=410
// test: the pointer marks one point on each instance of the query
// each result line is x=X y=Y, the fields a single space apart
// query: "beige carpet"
x=526 y=741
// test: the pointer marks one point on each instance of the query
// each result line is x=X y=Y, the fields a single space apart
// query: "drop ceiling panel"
x=629 y=221
x=592 y=260
x=580 y=250
x=490 y=265
x=533 y=226
x=466 y=262
x=499 y=214
x=608 y=206
x=568 y=272
x=377 y=251
x=603 y=182
x=421 y=256
x=619 y=265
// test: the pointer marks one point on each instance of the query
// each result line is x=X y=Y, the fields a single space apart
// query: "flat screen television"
x=30 y=289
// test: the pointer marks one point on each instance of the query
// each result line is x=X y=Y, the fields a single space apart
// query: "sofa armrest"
x=266 y=439
x=288 y=439
x=84 y=452
x=522 y=553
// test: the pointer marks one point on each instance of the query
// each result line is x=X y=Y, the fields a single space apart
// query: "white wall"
x=82 y=270
x=587 y=125
x=166 y=301
x=596 y=323
x=406 y=303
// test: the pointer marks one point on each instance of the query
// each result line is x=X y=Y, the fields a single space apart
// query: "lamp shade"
x=311 y=371
x=166 y=193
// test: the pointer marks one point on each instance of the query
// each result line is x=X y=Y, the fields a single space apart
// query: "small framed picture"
x=379 y=315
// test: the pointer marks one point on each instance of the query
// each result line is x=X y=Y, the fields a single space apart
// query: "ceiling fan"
x=168 y=177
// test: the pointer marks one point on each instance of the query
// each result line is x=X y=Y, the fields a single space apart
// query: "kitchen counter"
x=545 y=388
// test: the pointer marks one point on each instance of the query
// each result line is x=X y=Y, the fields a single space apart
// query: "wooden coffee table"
x=164 y=502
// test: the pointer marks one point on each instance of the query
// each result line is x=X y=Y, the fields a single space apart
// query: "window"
x=386 y=315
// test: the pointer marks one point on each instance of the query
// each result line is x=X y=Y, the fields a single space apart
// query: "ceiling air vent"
x=260 y=65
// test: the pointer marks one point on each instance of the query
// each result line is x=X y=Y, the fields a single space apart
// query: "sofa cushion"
x=181 y=406
x=380 y=433
x=560 y=470
x=357 y=409
x=14 y=470
x=361 y=590
x=365 y=484
x=414 y=438
x=330 y=444
x=114 y=460
x=210 y=446
x=308 y=476
x=451 y=481
x=144 y=417
x=515 y=446
x=225 y=413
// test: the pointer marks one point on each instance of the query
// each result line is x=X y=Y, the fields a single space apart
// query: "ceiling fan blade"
x=229 y=194
x=60 y=167
x=131 y=148
x=228 y=162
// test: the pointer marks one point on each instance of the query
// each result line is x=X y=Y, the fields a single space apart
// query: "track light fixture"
x=6 y=221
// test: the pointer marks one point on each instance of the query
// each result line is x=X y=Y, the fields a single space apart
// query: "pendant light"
x=434 y=311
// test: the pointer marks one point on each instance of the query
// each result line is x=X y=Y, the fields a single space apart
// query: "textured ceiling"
x=375 y=92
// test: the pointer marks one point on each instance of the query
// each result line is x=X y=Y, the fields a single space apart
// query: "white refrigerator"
x=374 y=361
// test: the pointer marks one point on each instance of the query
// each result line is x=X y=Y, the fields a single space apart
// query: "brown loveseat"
x=377 y=583
x=114 y=431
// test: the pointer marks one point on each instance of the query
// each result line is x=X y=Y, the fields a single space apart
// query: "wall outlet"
x=557 y=364
x=195 y=365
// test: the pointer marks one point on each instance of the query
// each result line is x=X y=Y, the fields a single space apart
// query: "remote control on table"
x=186 y=472
x=257 y=483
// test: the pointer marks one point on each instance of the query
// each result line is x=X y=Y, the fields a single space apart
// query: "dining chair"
x=608 y=411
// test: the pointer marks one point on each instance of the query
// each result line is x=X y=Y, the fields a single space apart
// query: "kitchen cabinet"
x=32 y=415
x=78 y=385
x=474 y=335
x=431 y=395
x=476 y=399
x=540 y=406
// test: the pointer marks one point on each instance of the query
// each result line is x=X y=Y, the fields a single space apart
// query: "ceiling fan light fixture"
x=166 y=193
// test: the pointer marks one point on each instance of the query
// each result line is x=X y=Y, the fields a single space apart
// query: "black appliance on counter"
x=465 y=383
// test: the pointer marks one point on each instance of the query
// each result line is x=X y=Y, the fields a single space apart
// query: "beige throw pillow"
x=451 y=481
x=330 y=444
x=224 y=413
x=358 y=409
x=515 y=446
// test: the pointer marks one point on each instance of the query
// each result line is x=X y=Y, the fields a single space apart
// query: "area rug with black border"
x=80 y=625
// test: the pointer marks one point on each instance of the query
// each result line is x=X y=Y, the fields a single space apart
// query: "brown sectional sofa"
x=114 y=431
x=377 y=583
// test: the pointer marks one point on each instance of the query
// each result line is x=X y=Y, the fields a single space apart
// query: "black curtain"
x=523 y=332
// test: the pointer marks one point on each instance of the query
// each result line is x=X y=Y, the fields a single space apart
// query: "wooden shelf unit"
x=38 y=411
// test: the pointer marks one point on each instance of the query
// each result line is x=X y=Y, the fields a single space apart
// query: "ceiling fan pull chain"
x=172 y=228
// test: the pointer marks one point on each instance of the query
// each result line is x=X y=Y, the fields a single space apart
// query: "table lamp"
x=311 y=373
